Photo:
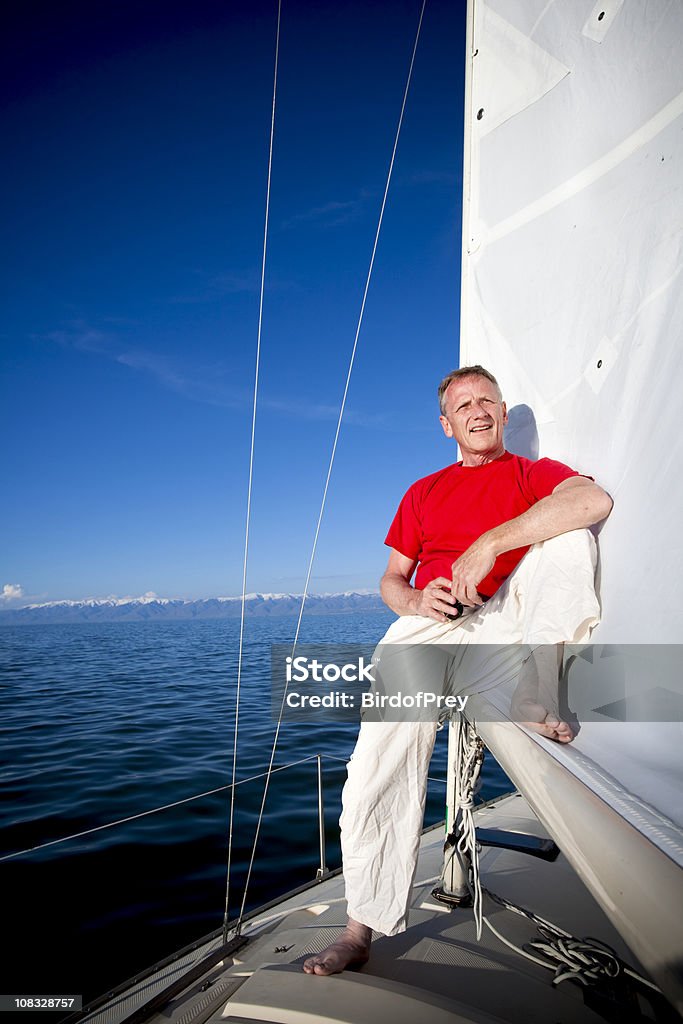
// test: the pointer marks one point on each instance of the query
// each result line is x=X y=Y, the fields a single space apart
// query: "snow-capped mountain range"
x=149 y=607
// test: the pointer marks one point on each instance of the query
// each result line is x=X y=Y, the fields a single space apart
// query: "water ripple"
x=105 y=721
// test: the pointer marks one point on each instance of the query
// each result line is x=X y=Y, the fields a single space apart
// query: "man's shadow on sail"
x=521 y=433
x=521 y=438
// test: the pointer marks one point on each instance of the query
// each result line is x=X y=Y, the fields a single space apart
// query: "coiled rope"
x=587 y=961
x=469 y=757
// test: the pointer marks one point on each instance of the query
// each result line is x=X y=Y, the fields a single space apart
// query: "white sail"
x=572 y=260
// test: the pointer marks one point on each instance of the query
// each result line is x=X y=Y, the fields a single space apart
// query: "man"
x=467 y=530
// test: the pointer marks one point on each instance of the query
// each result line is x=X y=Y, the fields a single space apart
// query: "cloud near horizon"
x=12 y=592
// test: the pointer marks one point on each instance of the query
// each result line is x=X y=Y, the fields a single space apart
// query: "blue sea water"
x=101 y=722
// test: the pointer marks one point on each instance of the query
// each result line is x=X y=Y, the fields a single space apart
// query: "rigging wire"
x=251 y=476
x=330 y=465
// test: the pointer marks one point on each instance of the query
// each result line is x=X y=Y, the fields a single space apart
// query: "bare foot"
x=536 y=698
x=352 y=949
x=545 y=723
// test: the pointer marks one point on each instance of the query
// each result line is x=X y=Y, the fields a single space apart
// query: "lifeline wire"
x=156 y=810
x=331 y=462
x=249 y=486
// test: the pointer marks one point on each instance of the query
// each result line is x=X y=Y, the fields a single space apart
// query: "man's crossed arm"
x=576 y=503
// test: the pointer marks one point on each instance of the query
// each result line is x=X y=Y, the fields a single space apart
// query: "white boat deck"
x=435 y=971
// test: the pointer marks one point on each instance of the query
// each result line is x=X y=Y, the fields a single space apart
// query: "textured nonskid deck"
x=435 y=971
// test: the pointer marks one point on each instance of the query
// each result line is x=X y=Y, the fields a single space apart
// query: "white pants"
x=550 y=598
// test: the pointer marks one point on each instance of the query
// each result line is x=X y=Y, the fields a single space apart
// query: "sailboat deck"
x=435 y=971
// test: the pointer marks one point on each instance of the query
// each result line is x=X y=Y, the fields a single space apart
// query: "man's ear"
x=446 y=426
x=505 y=413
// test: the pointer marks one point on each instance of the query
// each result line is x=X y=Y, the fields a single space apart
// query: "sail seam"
x=587 y=176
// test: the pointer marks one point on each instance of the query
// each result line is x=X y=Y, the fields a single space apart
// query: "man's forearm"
x=398 y=594
x=572 y=508
x=574 y=505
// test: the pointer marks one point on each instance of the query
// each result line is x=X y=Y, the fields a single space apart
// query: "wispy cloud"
x=12 y=592
x=198 y=385
x=203 y=383
x=158 y=366
x=80 y=336
x=337 y=212
x=195 y=386
x=211 y=287
x=315 y=577
x=427 y=177
x=331 y=214
x=301 y=409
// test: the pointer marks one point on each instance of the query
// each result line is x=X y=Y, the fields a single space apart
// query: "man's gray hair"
x=465 y=371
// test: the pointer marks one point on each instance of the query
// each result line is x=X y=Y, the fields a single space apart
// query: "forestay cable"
x=251 y=475
x=332 y=455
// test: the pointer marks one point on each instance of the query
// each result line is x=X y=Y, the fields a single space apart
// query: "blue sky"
x=135 y=142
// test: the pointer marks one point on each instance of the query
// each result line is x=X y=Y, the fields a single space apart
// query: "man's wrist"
x=399 y=595
x=493 y=541
x=412 y=600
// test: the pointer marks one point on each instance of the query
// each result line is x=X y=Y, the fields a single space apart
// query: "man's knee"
x=574 y=547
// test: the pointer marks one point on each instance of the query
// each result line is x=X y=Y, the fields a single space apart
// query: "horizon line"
x=151 y=598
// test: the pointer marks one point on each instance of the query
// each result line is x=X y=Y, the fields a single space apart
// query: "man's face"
x=475 y=417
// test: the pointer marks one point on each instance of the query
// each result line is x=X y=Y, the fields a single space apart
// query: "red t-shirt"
x=442 y=514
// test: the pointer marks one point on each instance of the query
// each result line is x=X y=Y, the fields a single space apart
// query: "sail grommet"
x=601 y=19
x=480 y=113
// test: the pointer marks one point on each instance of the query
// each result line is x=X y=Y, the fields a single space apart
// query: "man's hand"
x=470 y=569
x=436 y=601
